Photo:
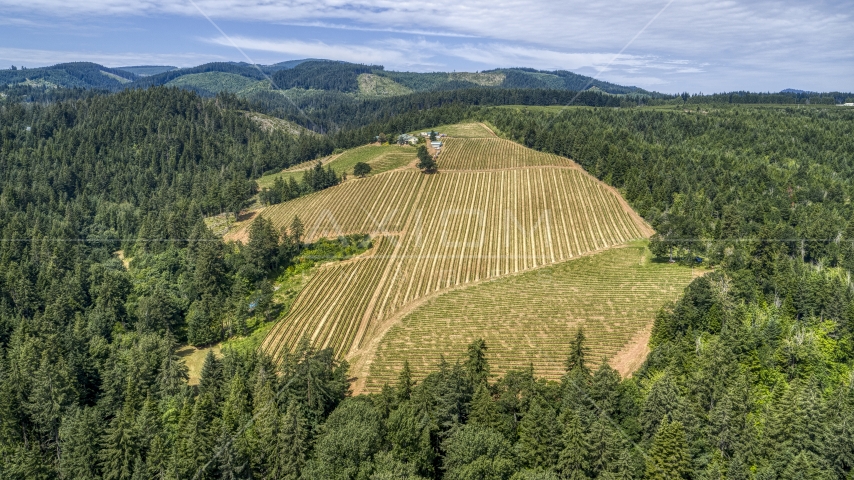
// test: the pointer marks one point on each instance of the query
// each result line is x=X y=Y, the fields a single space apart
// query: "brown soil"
x=487 y=127
x=633 y=354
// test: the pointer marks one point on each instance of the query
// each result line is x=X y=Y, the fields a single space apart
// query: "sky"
x=664 y=45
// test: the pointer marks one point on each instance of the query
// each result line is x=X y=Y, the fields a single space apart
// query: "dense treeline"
x=314 y=179
x=734 y=388
x=334 y=111
x=787 y=98
x=243 y=69
x=22 y=93
x=69 y=75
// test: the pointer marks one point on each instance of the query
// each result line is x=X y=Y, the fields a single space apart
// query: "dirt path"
x=487 y=128
x=363 y=325
x=633 y=354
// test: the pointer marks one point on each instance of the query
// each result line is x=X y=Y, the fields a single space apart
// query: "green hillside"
x=147 y=70
x=69 y=75
x=214 y=82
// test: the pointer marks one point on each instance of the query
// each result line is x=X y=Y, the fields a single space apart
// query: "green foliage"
x=425 y=161
x=669 y=457
x=69 y=75
x=361 y=169
x=323 y=75
x=749 y=374
x=213 y=82
x=478 y=453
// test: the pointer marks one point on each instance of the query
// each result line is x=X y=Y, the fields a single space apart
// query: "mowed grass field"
x=529 y=319
x=437 y=233
x=461 y=130
x=381 y=158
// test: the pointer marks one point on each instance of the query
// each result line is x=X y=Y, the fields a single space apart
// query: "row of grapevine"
x=529 y=319
x=471 y=226
x=330 y=308
x=494 y=153
x=440 y=232
x=375 y=205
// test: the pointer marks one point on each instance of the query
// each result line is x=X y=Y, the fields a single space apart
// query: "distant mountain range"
x=307 y=74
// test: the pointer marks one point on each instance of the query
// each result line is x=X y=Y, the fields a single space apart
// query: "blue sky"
x=669 y=46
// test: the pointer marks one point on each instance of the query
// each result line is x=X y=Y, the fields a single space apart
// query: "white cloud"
x=36 y=57
x=393 y=53
x=744 y=42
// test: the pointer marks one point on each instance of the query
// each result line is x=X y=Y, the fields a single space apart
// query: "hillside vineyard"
x=498 y=209
x=529 y=319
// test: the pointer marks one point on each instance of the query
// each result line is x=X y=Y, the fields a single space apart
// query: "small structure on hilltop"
x=407 y=138
x=437 y=145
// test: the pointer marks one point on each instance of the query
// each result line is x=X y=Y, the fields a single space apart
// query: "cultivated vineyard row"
x=494 y=153
x=464 y=227
x=529 y=319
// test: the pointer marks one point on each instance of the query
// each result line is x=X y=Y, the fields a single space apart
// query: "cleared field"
x=462 y=130
x=330 y=309
x=371 y=85
x=375 y=205
x=529 y=319
x=494 y=153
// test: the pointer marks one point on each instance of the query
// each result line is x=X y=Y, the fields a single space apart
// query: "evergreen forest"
x=107 y=267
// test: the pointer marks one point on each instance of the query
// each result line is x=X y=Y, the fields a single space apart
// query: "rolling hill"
x=69 y=75
x=246 y=80
x=495 y=211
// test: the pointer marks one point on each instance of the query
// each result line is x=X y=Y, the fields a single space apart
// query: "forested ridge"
x=750 y=374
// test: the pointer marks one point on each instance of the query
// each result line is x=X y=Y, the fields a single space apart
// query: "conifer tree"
x=120 y=446
x=476 y=365
x=539 y=436
x=210 y=378
x=293 y=443
x=604 y=446
x=573 y=463
x=577 y=358
x=404 y=383
x=79 y=437
x=264 y=433
x=233 y=450
x=669 y=457
x=484 y=411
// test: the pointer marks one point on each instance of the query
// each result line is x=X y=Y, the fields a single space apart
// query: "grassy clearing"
x=371 y=85
x=529 y=319
x=268 y=123
x=381 y=158
x=194 y=359
x=214 y=81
